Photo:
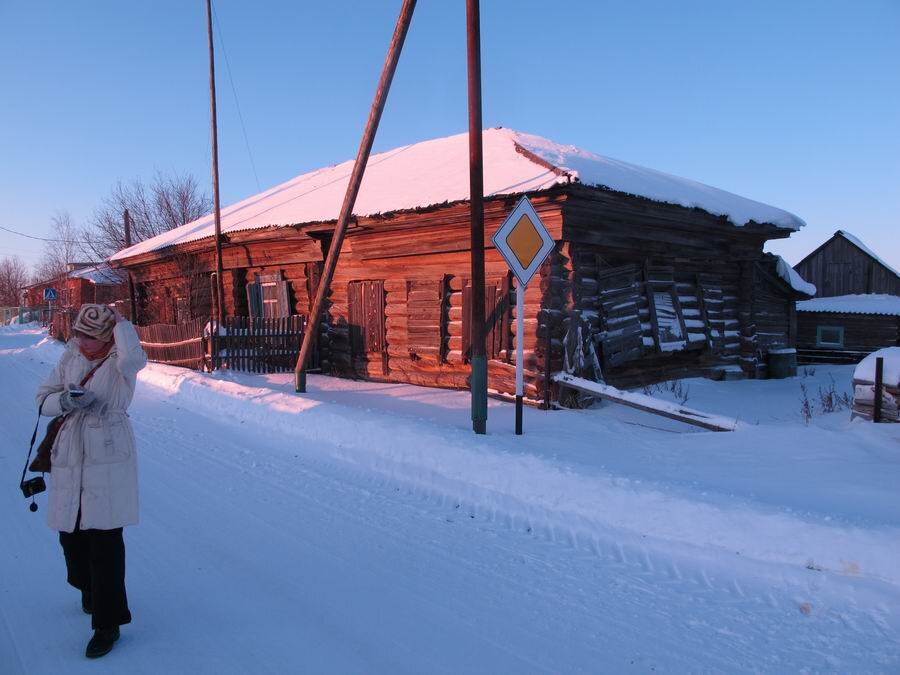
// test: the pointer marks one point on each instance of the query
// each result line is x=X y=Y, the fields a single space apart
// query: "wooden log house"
x=857 y=307
x=665 y=277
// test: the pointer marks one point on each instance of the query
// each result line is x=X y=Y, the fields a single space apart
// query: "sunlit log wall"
x=662 y=291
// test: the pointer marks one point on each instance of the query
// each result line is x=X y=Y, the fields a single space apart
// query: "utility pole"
x=220 y=293
x=478 y=379
x=359 y=167
x=132 y=303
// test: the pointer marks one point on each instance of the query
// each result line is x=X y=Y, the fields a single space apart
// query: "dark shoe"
x=102 y=642
x=87 y=604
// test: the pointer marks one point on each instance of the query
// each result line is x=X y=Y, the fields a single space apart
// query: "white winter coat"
x=93 y=459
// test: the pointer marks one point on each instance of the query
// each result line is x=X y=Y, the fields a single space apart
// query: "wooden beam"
x=647 y=404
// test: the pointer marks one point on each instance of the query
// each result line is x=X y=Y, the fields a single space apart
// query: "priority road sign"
x=49 y=294
x=524 y=243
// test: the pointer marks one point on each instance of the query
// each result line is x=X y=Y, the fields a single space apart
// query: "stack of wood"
x=864 y=387
x=864 y=401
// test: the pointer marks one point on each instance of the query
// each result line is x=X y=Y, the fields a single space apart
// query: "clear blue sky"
x=796 y=103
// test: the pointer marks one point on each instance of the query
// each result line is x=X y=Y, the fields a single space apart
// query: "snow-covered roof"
x=865 y=249
x=437 y=171
x=793 y=279
x=98 y=274
x=871 y=303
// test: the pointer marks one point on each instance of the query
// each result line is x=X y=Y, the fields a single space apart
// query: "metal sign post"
x=49 y=296
x=524 y=243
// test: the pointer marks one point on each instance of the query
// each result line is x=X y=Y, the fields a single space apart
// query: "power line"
x=236 y=101
x=57 y=241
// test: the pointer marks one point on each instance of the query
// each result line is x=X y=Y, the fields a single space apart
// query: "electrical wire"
x=57 y=241
x=234 y=93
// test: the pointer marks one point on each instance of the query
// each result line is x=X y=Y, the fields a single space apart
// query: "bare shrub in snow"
x=807 y=372
x=806 y=408
x=831 y=400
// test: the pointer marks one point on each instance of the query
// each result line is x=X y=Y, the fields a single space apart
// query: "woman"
x=93 y=490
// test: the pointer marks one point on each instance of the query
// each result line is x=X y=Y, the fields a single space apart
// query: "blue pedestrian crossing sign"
x=49 y=294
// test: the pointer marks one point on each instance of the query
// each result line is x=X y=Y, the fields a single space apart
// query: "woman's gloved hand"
x=72 y=400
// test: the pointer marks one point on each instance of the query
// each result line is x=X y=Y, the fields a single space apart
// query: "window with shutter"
x=268 y=296
x=620 y=299
x=497 y=320
x=426 y=323
x=665 y=314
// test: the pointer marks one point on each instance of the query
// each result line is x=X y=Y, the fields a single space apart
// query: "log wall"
x=419 y=263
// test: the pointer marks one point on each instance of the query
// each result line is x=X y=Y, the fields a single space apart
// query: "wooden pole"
x=359 y=167
x=132 y=301
x=478 y=379
x=879 y=383
x=220 y=292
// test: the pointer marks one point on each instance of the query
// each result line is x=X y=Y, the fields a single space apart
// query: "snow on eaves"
x=98 y=274
x=865 y=249
x=437 y=171
x=871 y=303
x=793 y=278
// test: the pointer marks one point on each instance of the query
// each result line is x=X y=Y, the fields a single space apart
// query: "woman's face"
x=89 y=343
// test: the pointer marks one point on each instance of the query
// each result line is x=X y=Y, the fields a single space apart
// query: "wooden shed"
x=656 y=276
x=857 y=305
x=843 y=265
x=846 y=328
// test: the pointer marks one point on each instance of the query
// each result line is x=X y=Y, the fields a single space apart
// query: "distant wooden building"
x=846 y=328
x=659 y=276
x=857 y=307
x=843 y=265
x=84 y=283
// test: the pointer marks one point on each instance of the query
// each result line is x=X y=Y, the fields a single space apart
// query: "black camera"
x=33 y=486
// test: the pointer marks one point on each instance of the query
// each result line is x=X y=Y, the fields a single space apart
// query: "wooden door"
x=368 y=342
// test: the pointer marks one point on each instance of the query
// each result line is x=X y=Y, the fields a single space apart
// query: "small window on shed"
x=829 y=336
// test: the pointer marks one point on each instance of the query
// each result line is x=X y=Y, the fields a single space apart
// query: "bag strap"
x=93 y=370
x=33 y=439
x=37 y=424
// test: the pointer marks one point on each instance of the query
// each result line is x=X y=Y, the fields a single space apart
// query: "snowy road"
x=259 y=552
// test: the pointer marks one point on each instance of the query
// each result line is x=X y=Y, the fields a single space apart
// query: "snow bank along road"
x=363 y=529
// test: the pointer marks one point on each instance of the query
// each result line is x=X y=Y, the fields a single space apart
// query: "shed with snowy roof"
x=666 y=276
x=857 y=305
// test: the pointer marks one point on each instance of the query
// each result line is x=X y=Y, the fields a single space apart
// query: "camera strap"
x=33 y=439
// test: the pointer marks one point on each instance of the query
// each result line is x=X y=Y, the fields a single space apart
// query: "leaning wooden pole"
x=217 y=214
x=359 y=167
x=478 y=379
x=132 y=301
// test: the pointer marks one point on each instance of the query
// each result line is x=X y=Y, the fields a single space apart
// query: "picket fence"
x=254 y=345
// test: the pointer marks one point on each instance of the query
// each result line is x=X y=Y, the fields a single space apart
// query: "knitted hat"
x=96 y=321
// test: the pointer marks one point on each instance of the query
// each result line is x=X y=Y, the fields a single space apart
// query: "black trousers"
x=95 y=565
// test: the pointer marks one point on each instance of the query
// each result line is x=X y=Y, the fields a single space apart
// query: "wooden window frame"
x=498 y=329
x=826 y=345
x=652 y=289
x=256 y=297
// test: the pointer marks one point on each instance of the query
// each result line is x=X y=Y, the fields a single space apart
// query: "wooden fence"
x=178 y=345
x=258 y=345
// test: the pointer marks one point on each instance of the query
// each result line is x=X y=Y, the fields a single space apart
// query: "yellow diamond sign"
x=523 y=241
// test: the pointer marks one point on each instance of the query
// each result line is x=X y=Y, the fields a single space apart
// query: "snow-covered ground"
x=364 y=528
